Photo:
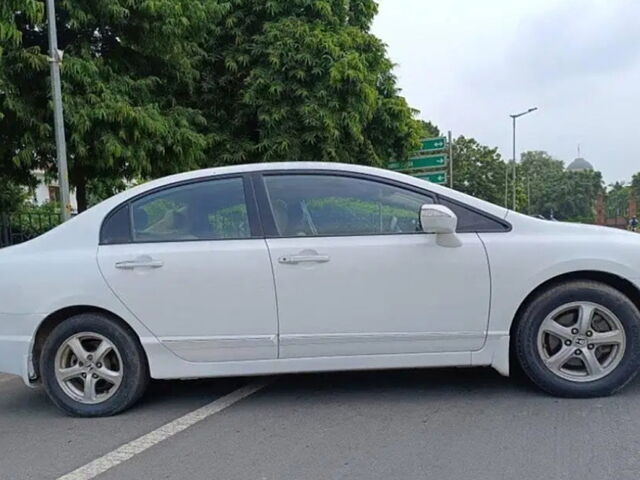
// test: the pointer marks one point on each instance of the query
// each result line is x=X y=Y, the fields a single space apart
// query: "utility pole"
x=450 y=159
x=515 y=163
x=55 y=58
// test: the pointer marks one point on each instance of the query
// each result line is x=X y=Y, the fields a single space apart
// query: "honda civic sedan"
x=305 y=267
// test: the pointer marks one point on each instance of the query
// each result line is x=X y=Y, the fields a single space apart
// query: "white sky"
x=467 y=64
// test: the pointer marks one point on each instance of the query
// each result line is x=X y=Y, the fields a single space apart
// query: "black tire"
x=135 y=376
x=526 y=341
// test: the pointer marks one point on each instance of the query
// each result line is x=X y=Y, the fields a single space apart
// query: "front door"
x=356 y=276
x=195 y=274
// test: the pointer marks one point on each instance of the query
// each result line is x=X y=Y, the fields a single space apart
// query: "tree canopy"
x=617 y=202
x=156 y=87
x=296 y=80
x=635 y=186
x=551 y=189
x=478 y=170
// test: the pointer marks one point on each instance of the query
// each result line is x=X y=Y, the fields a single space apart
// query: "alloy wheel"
x=88 y=368
x=581 y=341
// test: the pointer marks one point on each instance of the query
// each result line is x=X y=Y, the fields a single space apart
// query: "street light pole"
x=55 y=58
x=515 y=163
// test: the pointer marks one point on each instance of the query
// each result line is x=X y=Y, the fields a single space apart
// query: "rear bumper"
x=16 y=340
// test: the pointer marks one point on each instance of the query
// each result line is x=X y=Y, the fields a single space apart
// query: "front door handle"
x=295 y=259
x=140 y=262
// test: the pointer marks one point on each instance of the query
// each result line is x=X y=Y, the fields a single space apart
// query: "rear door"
x=190 y=262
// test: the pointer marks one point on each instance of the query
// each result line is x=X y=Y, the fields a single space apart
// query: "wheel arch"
x=54 y=319
x=626 y=287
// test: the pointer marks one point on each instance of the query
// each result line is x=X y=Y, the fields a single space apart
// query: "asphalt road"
x=411 y=424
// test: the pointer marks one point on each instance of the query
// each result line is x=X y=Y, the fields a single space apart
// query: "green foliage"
x=543 y=176
x=578 y=195
x=29 y=221
x=99 y=189
x=348 y=215
x=569 y=195
x=635 y=186
x=159 y=209
x=478 y=170
x=291 y=80
x=617 y=202
x=12 y=196
x=155 y=87
x=126 y=65
x=428 y=129
x=10 y=34
x=231 y=222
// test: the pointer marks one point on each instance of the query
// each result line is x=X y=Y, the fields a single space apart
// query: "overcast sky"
x=467 y=64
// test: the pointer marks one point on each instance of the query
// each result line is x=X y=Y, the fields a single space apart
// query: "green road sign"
x=431 y=144
x=427 y=161
x=437 y=177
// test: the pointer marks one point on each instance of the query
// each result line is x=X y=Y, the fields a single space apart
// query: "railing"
x=22 y=226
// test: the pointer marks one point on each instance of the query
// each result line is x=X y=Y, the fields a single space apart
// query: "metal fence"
x=22 y=226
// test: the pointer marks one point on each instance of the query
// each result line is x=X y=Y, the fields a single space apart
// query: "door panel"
x=209 y=301
x=356 y=276
x=381 y=294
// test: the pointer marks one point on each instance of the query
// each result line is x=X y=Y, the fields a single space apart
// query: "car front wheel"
x=91 y=366
x=579 y=339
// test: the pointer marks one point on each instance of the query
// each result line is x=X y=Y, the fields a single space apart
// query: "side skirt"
x=164 y=364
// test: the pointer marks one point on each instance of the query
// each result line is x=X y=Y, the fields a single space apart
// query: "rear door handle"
x=295 y=259
x=140 y=262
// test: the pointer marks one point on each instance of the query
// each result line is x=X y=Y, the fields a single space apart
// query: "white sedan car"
x=304 y=267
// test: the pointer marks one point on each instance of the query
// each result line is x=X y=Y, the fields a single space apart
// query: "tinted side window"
x=117 y=227
x=471 y=221
x=335 y=205
x=210 y=210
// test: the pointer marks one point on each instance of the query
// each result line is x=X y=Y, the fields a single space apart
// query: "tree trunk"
x=81 y=195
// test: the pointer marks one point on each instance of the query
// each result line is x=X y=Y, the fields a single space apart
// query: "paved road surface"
x=440 y=424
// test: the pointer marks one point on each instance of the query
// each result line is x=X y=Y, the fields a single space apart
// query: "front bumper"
x=16 y=340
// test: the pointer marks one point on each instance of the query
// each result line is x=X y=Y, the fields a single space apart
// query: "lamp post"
x=506 y=177
x=55 y=58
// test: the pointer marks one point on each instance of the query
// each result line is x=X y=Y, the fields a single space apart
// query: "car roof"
x=496 y=210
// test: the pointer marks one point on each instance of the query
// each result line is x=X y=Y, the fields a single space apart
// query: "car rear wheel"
x=91 y=366
x=579 y=339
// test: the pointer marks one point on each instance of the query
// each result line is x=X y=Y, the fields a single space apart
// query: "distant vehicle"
x=303 y=267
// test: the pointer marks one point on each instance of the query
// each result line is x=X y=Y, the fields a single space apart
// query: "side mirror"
x=437 y=219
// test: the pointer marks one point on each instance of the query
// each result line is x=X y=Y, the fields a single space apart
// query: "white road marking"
x=135 y=447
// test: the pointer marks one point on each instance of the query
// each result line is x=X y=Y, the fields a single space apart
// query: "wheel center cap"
x=580 y=341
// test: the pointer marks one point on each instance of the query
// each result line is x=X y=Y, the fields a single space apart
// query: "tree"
x=617 y=201
x=577 y=196
x=568 y=195
x=289 y=80
x=156 y=87
x=635 y=186
x=125 y=65
x=543 y=176
x=428 y=129
x=478 y=170
x=12 y=196
x=10 y=35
